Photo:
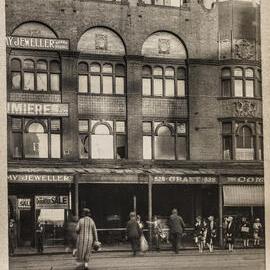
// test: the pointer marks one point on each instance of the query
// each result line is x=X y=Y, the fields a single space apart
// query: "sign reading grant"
x=176 y=179
x=37 y=43
x=48 y=109
x=39 y=178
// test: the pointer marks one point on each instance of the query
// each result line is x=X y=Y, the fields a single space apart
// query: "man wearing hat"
x=176 y=225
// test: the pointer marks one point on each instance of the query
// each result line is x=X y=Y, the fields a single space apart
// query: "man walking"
x=176 y=225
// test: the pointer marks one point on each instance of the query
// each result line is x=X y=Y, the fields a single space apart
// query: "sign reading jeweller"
x=48 y=109
x=39 y=178
x=37 y=43
x=176 y=179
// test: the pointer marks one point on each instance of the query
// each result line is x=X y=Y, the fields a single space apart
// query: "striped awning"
x=243 y=195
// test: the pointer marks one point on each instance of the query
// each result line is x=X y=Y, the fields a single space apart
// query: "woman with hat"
x=257 y=231
x=211 y=233
x=87 y=236
x=199 y=229
x=230 y=231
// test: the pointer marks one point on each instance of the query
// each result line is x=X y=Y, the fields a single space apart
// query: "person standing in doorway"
x=87 y=236
x=39 y=236
x=230 y=233
x=176 y=225
x=11 y=236
x=134 y=232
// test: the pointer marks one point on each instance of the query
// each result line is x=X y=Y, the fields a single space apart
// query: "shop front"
x=40 y=197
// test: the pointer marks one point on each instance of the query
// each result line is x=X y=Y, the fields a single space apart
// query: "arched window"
x=29 y=75
x=164 y=143
x=226 y=82
x=245 y=144
x=102 y=142
x=36 y=141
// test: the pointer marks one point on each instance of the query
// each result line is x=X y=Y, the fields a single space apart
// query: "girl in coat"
x=199 y=233
x=211 y=233
x=87 y=235
x=257 y=231
x=245 y=231
x=230 y=233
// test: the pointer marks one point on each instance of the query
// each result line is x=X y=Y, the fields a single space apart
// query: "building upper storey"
x=226 y=30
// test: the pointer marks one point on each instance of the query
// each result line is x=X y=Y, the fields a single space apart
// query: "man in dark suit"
x=133 y=232
x=176 y=225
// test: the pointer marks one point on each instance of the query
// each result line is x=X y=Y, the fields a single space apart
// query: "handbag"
x=143 y=244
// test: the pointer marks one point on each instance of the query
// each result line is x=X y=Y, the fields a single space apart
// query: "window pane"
x=169 y=88
x=16 y=145
x=15 y=64
x=158 y=71
x=226 y=128
x=83 y=126
x=83 y=67
x=169 y=72
x=36 y=127
x=226 y=88
x=55 y=66
x=83 y=146
x=147 y=71
x=238 y=72
x=55 y=146
x=146 y=86
x=16 y=80
x=159 y=2
x=28 y=64
x=147 y=127
x=28 y=81
x=102 y=129
x=107 y=68
x=83 y=83
x=260 y=148
x=238 y=88
x=164 y=131
x=181 y=148
x=120 y=127
x=42 y=65
x=244 y=153
x=181 y=91
x=16 y=124
x=227 y=148
x=120 y=70
x=181 y=128
x=164 y=147
x=36 y=145
x=102 y=146
x=249 y=73
x=55 y=82
x=42 y=81
x=107 y=85
x=181 y=74
x=121 y=146
x=175 y=3
x=249 y=88
x=119 y=85
x=95 y=84
x=226 y=72
x=158 y=87
x=147 y=147
x=95 y=68
x=55 y=125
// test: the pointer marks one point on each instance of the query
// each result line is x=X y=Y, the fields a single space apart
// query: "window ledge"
x=250 y=98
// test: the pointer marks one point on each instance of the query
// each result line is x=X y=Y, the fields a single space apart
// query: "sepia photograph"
x=133 y=135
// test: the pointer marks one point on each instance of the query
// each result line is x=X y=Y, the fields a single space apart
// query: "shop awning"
x=243 y=195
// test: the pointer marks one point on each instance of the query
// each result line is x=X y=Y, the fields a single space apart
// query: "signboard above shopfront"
x=24 y=204
x=37 y=43
x=51 y=202
x=36 y=109
x=39 y=178
x=180 y=179
x=243 y=180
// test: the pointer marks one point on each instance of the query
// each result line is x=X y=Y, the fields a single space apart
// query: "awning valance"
x=243 y=195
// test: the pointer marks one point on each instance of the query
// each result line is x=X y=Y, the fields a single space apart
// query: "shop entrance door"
x=26 y=227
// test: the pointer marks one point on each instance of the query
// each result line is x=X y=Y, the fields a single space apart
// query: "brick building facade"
x=116 y=105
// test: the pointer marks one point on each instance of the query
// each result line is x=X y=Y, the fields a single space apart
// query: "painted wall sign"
x=37 y=43
x=39 y=178
x=243 y=180
x=51 y=202
x=24 y=204
x=48 y=109
x=177 y=179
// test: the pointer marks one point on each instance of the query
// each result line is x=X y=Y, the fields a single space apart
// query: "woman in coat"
x=211 y=233
x=230 y=233
x=87 y=235
x=199 y=229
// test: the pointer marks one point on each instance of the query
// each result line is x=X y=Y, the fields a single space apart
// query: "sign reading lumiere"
x=37 y=43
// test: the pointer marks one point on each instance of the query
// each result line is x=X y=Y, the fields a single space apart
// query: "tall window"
x=170 y=3
x=102 y=139
x=242 y=141
x=164 y=81
x=35 y=75
x=105 y=78
x=240 y=82
x=32 y=138
x=164 y=141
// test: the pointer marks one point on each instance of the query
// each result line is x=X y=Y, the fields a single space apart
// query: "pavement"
x=241 y=259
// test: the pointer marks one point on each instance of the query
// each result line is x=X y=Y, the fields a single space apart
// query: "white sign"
x=39 y=178
x=37 y=43
x=48 y=109
x=24 y=204
x=51 y=202
x=179 y=179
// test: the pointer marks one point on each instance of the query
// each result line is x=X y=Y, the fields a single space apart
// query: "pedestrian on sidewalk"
x=211 y=233
x=176 y=225
x=134 y=232
x=87 y=237
x=143 y=242
x=157 y=232
x=245 y=231
x=39 y=236
x=257 y=232
x=230 y=233
x=199 y=230
x=11 y=237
